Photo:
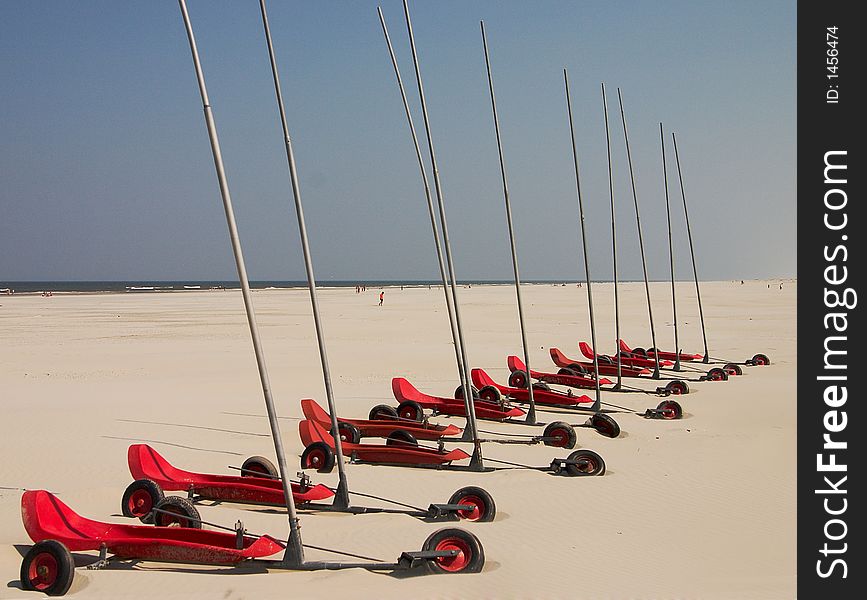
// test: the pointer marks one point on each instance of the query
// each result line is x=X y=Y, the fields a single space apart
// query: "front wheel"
x=733 y=369
x=605 y=424
x=717 y=374
x=139 y=499
x=319 y=456
x=677 y=387
x=559 y=435
x=670 y=409
x=584 y=463
x=491 y=394
x=411 y=411
x=48 y=567
x=483 y=508
x=459 y=392
x=760 y=360
x=519 y=379
x=349 y=433
x=470 y=557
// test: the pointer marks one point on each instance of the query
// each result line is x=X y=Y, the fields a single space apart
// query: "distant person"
x=381 y=297
x=742 y=281
x=781 y=286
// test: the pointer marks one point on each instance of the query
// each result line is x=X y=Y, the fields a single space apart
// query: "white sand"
x=698 y=508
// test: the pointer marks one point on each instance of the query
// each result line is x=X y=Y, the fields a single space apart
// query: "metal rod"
x=640 y=238
x=294 y=554
x=430 y=207
x=476 y=462
x=597 y=404
x=691 y=249
x=531 y=413
x=613 y=245
x=341 y=497
x=670 y=250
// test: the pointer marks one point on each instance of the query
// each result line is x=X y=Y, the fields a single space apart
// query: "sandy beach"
x=702 y=507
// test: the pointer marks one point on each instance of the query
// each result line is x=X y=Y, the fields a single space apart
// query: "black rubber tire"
x=139 y=498
x=486 y=509
x=44 y=557
x=567 y=371
x=410 y=410
x=670 y=405
x=401 y=439
x=259 y=466
x=595 y=464
x=578 y=368
x=382 y=412
x=349 y=433
x=519 y=379
x=604 y=360
x=733 y=369
x=471 y=559
x=186 y=514
x=605 y=425
x=459 y=392
x=717 y=374
x=319 y=456
x=563 y=432
x=677 y=387
x=760 y=360
x=639 y=352
x=490 y=394
x=542 y=386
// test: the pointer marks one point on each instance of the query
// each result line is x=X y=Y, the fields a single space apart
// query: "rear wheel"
x=639 y=352
x=491 y=394
x=733 y=369
x=139 y=499
x=519 y=379
x=411 y=410
x=717 y=374
x=402 y=439
x=319 y=456
x=560 y=434
x=382 y=412
x=174 y=511
x=349 y=433
x=677 y=387
x=567 y=371
x=605 y=425
x=459 y=392
x=259 y=466
x=604 y=360
x=541 y=386
x=483 y=508
x=586 y=462
x=578 y=368
x=470 y=556
x=670 y=409
x=761 y=360
x=48 y=567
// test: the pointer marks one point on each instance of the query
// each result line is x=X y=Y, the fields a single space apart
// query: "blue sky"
x=107 y=172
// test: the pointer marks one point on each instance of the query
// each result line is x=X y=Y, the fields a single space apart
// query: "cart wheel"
x=733 y=369
x=761 y=360
x=259 y=466
x=519 y=379
x=382 y=412
x=541 y=386
x=410 y=410
x=717 y=374
x=470 y=557
x=562 y=434
x=578 y=368
x=566 y=371
x=183 y=513
x=589 y=463
x=677 y=387
x=639 y=352
x=402 y=438
x=139 y=498
x=348 y=433
x=459 y=392
x=604 y=360
x=605 y=424
x=319 y=456
x=670 y=409
x=491 y=394
x=48 y=567
x=484 y=510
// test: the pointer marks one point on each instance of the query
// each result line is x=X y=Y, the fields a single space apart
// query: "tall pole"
x=476 y=462
x=613 y=244
x=341 y=497
x=531 y=414
x=294 y=555
x=670 y=250
x=691 y=249
x=431 y=212
x=640 y=237
x=598 y=403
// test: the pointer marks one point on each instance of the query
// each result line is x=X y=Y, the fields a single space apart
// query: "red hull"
x=577 y=381
x=45 y=517
x=561 y=360
x=548 y=397
x=380 y=428
x=665 y=355
x=588 y=353
x=146 y=463
x=403 y=391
